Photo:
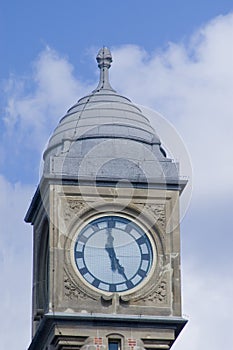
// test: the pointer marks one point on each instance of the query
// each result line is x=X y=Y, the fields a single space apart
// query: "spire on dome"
x=104 y=60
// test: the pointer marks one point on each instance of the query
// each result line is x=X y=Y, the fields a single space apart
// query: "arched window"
x=115 y=341
x=43 y=266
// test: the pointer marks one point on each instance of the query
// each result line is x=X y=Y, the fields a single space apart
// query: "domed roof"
x=104 y=135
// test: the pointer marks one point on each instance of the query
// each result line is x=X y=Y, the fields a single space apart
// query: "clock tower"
x=105 y=216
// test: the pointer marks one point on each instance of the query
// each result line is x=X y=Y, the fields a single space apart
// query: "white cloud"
x=35 y=103
x=192 y=85
x=208 y=306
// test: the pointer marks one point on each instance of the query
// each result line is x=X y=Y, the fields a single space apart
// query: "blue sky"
x=174 y=57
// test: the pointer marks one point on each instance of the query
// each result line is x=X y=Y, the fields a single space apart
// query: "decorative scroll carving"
x=73 y=207
x=72 y=292
x=158 y=211
x=158 y=295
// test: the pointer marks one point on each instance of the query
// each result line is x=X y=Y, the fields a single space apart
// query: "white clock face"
x=113 y=254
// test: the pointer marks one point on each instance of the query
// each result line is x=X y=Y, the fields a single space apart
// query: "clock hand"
x=109 y=248
x=115 y=265
x=112 y=256
x=120 y=268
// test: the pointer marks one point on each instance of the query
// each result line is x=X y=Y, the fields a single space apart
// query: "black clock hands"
x=115 y=265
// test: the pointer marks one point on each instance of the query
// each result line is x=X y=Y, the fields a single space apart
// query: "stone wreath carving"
x=160 y=293
x=157 y=295
x=158 y=211
x=72 y=292
x=72 y=207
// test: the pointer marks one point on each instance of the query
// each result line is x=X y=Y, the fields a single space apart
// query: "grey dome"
x=105 y=136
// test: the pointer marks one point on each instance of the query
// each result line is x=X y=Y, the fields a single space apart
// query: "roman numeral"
x=112 y=288
x=83 y=239
x=78 y=255
x=95 y=227
x=128 y=228
x=141 y=273
x=141 y=240
x=111 y=223
x=146 y=257
x=129 y=284
x=83 y=271
x=96 y=283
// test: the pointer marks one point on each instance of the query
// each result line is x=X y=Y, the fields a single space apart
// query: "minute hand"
x=115 y=265
x=120 y=268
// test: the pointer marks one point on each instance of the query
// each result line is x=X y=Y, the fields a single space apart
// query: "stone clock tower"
x=105 y=216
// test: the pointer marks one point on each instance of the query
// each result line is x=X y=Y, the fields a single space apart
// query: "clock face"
x=113 y=254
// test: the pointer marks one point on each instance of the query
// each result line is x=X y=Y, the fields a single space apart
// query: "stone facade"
x=64 y=292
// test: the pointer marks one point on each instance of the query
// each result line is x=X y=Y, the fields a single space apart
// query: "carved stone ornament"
x=160 y=293
x=158 y=212
x=73 y=207
x=157 y=295
x=72 y=292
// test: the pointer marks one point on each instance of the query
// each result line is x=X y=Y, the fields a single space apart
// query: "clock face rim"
x=142 y=228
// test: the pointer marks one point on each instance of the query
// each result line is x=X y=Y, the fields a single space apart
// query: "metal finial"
x=104 y=59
